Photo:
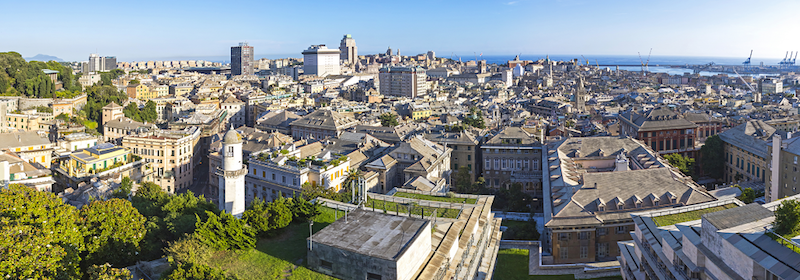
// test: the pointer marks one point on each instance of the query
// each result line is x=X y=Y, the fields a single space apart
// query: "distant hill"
x=44 y=58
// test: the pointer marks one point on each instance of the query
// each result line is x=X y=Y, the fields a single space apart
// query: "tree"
x=475 y=118
x=39 y=235
x=225 y=232
x=189 y=249
x=303 y=210
x=256 y=216
x=124 y=189
x=684 y=164
x=114 y=229
x=388 y=120
x=463 y=180
x=713 y=157
x=106 y=272
x=787 y=217
x=192 y=271
x=748 y=195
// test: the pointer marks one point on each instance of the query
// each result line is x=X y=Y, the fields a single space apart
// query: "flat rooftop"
x=370 y=233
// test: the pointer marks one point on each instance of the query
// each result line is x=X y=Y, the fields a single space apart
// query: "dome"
x=232 y=137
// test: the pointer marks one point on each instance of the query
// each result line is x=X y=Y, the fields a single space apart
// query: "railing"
x=526 y=175
x=783 y=241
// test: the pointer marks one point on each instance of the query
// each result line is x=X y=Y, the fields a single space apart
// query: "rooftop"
x=371 y=233
x=737 y=216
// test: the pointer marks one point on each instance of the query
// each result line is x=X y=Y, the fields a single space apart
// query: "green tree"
x=388 y=120
x=475 y=118
x=748 y=195
x=192 y=271
x=114 y=229
x=225 y=232
x=463 y=180
x=684 y=164
x=257 y=216
x=39 y=235
x=189 y=249
x=712 y=157
x=302 y=209
x=149 y=113
x=124 y=189
x=106 y=272
x=787 y=217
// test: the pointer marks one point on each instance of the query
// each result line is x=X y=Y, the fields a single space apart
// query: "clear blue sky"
x=137 y=30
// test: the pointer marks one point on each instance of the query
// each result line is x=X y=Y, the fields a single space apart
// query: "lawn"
x=275 y=258
x=417 y=210
x=672 y=219
x=512 y=264
x=436 y=198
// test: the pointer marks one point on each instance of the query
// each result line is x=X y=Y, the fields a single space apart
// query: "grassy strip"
x=274 y=257
x=512 y=264
x=672 y=219
x=787 y=236
x=436 y=198
x=417 y=210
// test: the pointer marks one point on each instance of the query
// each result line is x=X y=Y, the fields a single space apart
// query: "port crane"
x=645 y=65
x=746 y=63
x=584 y=59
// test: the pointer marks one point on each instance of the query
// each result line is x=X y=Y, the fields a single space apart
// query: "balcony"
x=525 y=176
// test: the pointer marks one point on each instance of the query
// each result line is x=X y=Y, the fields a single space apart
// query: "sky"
x=166 y=30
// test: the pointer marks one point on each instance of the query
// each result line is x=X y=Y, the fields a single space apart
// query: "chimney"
x=789 y=135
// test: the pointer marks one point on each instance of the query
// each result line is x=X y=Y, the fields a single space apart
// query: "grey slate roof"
x=656 y=119
x=752 y=136
x=325 y=119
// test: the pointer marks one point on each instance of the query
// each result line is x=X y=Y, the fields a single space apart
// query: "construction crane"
x=647 y=64
x=746 y=63
x=584 y=59
x=642 y=61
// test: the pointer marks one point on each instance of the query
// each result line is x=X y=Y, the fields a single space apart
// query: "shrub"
x=787 y=217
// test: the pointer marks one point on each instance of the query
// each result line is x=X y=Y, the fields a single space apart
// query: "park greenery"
x=21 y=78
x=388 y=120
x=146 y=114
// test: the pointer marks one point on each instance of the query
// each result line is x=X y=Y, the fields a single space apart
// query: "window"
x=584 y=252
x=622 y=229
x=469 y=157
x=602 y=250
x=373 y=276
x=564 y=236
x=583 y=235
x=602 y=231
x=488 y=164
x=284 y=179
x=273 y=176
x=564 y=253
x=326 y=265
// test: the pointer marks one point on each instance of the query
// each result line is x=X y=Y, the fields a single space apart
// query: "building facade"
x=242 y=60
x=170 y=153
x=320 y=61
x=662 y=129
x=514 y=155
x=348 y=49
x=746 y=150
x=403 y=81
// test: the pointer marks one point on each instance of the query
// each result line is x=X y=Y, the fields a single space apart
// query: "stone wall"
x=348 y=265
x=27 y=103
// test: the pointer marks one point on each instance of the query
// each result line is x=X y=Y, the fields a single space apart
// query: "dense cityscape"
x=340 y=164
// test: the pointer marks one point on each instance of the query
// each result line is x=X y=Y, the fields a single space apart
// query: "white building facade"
x=321 y=61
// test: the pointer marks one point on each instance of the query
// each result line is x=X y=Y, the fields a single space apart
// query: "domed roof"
x=231 y=137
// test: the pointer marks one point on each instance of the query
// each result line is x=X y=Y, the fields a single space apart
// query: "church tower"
x=231 y=174
x=580 y=97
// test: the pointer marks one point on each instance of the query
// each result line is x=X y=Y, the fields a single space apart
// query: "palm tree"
x=352 y=179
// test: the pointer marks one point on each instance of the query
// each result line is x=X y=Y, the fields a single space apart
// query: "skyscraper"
x=95 y=63
x=321 y=61
x=348 y=49
x=242 y=60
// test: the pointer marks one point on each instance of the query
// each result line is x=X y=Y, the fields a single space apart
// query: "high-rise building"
x=242 y=60
x=431 y=55
x=109 y=63
x=95 y=64
x=348 y=49
x=321 y=61
x=403 y=81
x=231 y=174
x=580 y=97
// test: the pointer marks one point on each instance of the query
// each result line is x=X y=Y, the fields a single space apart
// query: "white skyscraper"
x=321 y=61
x=348 y=49
x=231 y=174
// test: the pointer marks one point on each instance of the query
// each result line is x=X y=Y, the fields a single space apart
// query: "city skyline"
x=710 y=28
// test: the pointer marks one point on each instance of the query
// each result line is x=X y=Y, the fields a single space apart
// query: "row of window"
x=585 y=235
x=511 y=164
x=602 y=251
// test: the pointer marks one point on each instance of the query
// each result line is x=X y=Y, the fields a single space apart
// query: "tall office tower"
x=431 y=55
x=109 y=63
x=348 y=49
x=321 y=61
x=95 y=63
x=403 y=81
x=242 y=60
